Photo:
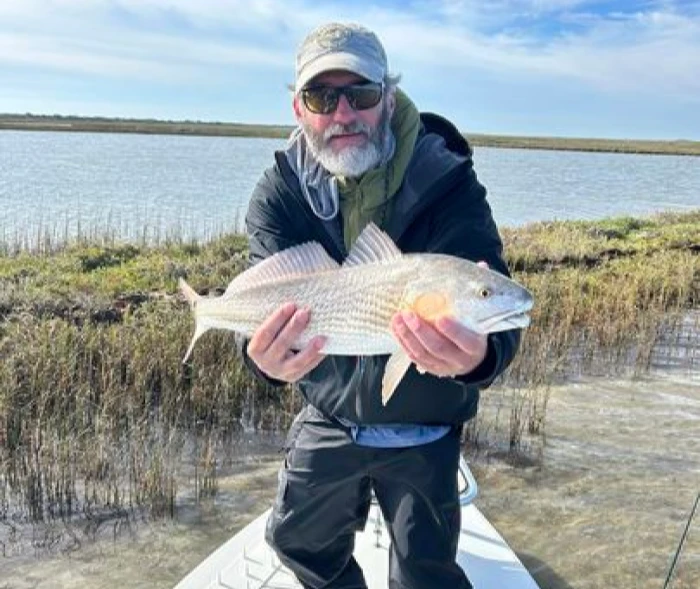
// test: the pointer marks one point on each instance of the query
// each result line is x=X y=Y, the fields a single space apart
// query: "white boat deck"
x=247 y=562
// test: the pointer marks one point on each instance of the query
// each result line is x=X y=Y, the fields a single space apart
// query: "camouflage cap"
x=340 y=46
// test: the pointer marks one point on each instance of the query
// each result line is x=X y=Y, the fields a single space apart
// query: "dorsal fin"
x=373 y=245
x=299 y=260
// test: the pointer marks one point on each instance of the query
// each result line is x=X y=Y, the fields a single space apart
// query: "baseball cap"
x=340 y=46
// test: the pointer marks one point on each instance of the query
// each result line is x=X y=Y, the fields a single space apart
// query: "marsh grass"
x=612 y=297
x=29 y=122
x=98 y=414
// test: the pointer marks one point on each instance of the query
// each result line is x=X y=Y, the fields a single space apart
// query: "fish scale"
x=352 y=305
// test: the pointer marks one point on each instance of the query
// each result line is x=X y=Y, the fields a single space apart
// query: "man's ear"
x=391 y=101
x=297 y=108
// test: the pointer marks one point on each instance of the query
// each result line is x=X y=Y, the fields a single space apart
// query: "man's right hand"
x=271 y=345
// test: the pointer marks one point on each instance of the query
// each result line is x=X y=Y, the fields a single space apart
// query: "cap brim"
x=347 y=62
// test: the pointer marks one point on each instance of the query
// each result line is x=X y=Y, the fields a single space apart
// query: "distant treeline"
x=146 y=126
x=159 y=127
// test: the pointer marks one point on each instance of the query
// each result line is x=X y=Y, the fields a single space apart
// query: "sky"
x=569 y=68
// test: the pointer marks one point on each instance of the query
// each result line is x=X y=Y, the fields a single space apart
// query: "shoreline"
x=577 y=489
x=221 y=129
x=93 y=336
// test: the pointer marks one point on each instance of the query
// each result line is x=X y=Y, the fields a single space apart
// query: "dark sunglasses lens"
x=320 y=101
x=364 y=97
x=324 y=100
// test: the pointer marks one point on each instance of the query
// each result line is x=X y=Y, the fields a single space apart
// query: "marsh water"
x=158 y=186
x=600 y=502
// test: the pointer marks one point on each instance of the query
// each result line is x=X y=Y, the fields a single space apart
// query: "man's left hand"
x=443 y=348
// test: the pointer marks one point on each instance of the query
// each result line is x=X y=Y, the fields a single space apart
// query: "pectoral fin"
x=396 y=368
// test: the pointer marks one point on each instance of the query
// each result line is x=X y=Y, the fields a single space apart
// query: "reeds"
x=612 y=298
x=98 y=415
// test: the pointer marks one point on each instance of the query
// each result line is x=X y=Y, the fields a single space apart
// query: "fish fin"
x=199 y=330
x=373 y=245
x=299 y=260
x=432 y=305
x=189 y=292
x=396 y=368
x=192 y=298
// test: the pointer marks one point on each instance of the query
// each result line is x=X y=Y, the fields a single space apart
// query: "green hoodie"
x=368 y=198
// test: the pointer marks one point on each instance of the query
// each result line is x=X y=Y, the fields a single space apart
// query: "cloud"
x=655 y=52
x=648 y=49
x=103 y=38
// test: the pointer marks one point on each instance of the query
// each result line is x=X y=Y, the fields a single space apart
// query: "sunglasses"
x=323 y=100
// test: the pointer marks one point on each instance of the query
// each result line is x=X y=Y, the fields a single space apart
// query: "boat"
x=247 y=562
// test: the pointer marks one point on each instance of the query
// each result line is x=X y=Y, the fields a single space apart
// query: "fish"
x=352 y=303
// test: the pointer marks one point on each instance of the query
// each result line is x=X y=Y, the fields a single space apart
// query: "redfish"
x=352 y=304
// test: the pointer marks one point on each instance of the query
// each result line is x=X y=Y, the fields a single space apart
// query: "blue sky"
x=524 y=67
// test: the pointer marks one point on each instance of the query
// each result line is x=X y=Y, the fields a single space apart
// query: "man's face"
x=347 y=142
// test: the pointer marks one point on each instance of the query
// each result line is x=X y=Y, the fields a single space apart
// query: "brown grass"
x=97 y=412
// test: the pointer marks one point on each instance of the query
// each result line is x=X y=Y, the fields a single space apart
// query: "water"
x=605 y=507
x=621 y=462
x=157 y=185
x=608 y=505
x=527 y=185
x=127 y=184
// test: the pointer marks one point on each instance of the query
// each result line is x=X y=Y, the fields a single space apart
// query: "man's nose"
x=344 y=113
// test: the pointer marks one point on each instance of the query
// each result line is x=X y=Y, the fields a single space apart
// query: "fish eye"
x=484 y=293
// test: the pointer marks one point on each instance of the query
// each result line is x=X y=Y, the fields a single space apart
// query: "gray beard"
x=355 y=160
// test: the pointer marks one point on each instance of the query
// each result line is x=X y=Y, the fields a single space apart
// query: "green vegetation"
x=677 y=147
x=98 y=414
x=31 y=122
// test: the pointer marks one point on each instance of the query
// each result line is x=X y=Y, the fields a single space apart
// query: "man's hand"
x=271 y=345
x=443 y=348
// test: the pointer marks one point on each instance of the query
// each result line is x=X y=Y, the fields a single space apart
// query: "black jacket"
x=441 y=208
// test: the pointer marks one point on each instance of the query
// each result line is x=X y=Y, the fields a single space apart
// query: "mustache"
x=354 y=127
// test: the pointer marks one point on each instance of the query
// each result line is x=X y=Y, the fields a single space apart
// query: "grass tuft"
x=98 y=414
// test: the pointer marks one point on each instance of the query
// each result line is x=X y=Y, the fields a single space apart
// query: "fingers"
x=421 y=337
x=268 y=330
x=468 y=341
x=446 y=348
x=271 y=346
x=411 y=332
x=424 y=346
x=303 y=362
x=289 y=333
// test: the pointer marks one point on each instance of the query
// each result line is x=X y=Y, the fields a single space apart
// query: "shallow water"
x=619 y=474
x=143 y=554
x=605 y=507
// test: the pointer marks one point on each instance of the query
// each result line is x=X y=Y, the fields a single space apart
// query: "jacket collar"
x=439 y=153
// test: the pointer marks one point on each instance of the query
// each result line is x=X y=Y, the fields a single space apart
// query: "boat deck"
x=247 y=562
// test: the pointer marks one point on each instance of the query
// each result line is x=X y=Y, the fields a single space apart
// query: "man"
x=362 y=152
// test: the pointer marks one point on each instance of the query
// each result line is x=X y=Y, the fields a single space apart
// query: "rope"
x=680 y=544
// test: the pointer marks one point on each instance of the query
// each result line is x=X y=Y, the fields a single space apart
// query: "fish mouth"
x=517 y=318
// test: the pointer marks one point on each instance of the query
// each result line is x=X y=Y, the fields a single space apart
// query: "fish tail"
x=189 y=292
x=199 y=330
x=192 y=297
